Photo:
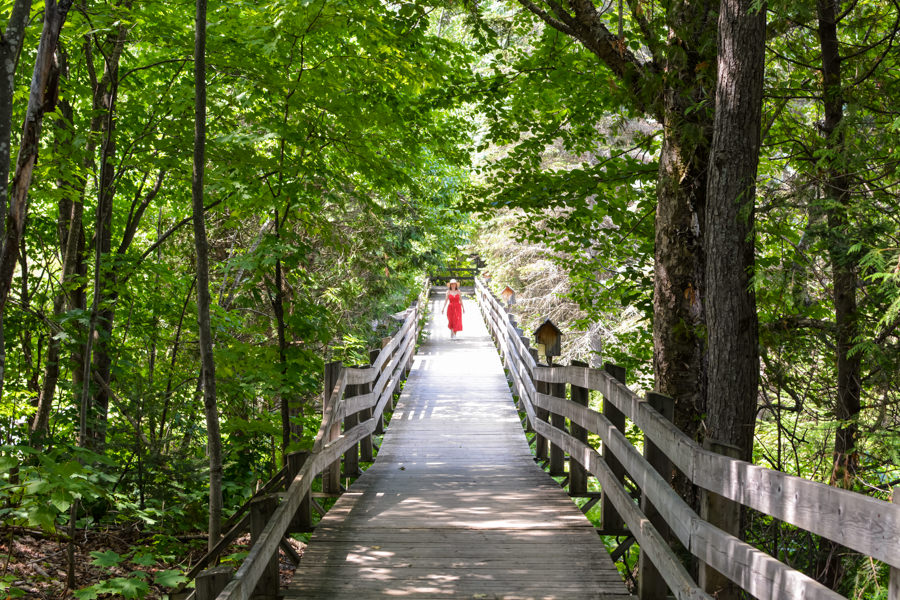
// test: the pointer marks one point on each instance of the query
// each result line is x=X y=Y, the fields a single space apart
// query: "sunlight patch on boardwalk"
x=455 y=506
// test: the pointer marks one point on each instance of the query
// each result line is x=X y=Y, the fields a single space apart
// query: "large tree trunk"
x=42 y=98
x=679 y=262
x=844 y=273
x=731 y=319
x=208 y=373
x=10 y=49
x=675 y=88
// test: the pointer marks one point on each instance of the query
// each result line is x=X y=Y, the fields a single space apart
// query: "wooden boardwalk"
x=455 y=506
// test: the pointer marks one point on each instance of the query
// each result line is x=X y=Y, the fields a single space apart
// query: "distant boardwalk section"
x=455 y=506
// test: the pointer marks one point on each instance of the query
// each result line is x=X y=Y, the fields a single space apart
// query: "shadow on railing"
x=727 y=564
x=355 y=400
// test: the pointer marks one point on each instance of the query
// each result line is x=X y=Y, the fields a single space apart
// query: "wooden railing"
x=355 y=398
x=858 y=522
x=465 y=275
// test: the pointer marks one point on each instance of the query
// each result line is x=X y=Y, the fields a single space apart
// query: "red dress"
x=454 y=312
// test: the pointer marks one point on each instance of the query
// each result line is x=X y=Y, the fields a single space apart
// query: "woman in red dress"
x=455 y=313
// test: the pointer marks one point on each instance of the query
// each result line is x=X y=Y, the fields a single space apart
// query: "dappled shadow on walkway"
x=454 y=506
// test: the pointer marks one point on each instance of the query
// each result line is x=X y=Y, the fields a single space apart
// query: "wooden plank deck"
x=455 y=506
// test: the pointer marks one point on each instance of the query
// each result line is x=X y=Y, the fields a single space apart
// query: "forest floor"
x=33 y=565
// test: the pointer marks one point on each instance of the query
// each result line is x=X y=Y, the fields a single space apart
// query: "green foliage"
x=137 y=584
x=336 y=154
x=7 y=588
x=46 y=484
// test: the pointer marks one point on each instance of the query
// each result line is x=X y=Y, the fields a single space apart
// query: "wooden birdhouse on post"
x=509 y=296
x=549 y=336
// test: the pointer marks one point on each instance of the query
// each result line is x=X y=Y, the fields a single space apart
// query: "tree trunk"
x=10 y=51
x=69 y=227
x=208 y=374
x=731 y=319
x=42 y=98
x=105 y=98
x=679 y=317
x=844 y=274
x=675 y=87
x=278 y=310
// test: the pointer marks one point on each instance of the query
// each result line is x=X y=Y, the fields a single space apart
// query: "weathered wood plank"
x=747 y=566
x=454 y=504
x=324 y=454
x=867 y=525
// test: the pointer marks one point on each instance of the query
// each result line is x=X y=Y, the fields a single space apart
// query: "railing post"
x=726 y=515
x=611 y=521
x=396 y=389
x=366 y=450
x=894 y=582
x=557 y=455
x=212 y=581
x=261 y=511
x=577 y=472
x=526 y=342
x=651 y=585
x=331 y=476
x=379 y=424
x=351 y=456
x=540 y=442
x=413 y=332
x=302 y=520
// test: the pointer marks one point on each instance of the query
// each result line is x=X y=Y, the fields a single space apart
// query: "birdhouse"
x=509 y=296
x=549 y=336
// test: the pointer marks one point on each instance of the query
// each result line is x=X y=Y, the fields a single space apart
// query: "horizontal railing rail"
x=859 y=522
x=462 y=274
x=392 y=364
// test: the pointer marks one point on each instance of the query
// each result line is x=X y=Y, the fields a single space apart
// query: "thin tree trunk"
x=42 y=98
x=70 y=231
x=105 y=278
x=208 y=373
x=277 y=299
x=844 y=275
x=175 y=347
x=732 y=324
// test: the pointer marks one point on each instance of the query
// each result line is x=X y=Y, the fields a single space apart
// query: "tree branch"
x=587 y=27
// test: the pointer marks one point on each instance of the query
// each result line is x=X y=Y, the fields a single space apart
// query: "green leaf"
x=105 y=559
x=88 y=593
x=169 y=578
x=7 y=463
x=144 y=559
x=127 y=587
x=43 y=516
x=61 y=499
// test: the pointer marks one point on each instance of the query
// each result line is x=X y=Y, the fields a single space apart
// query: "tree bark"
x=105 y=98
x=844 y=273
x=208 y=374
x=731 y=319
x=41 y=99
x=10 y=50
x=675 y=88
x=277 y=300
